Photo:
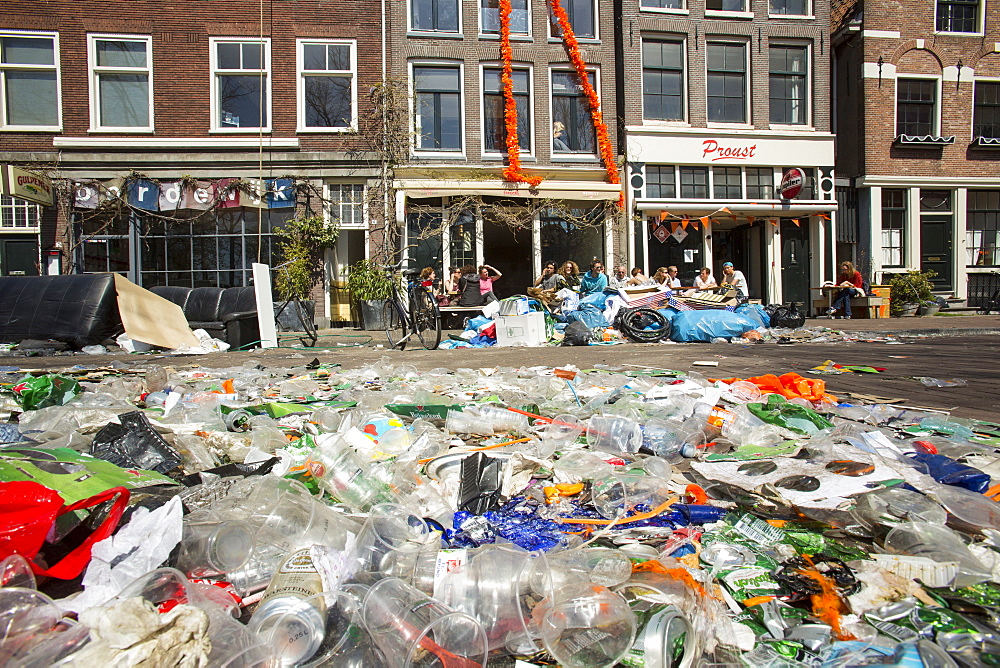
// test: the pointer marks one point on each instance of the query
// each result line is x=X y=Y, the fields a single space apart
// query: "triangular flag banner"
x=684 y=223
x=663 y=215
x=796 y=221
x=673 y=226
x=774 y=221
x=694 y=224
x=751 y=220
x=725 y=209
x=705 y=220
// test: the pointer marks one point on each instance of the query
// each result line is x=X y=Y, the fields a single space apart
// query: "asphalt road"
x=972 y=358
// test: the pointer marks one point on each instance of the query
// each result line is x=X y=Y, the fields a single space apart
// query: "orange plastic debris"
x=790 y=386
x=553 y=493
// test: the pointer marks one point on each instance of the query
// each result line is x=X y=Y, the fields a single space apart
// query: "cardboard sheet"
x=152 y=319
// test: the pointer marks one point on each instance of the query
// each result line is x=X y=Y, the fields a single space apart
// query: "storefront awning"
x=697 y=208
x=573 y=190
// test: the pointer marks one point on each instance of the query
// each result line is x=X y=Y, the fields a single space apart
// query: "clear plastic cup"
x=348 y=478
x=922 y=539
x=586 y=625
x=390 y=532
x=601 y=565
x=213 y=546
x=622 y=493
x=15 y=571
x=466 y=422
x=413 y=629
x=610 y=433
x=561 y=432
x=502 y=419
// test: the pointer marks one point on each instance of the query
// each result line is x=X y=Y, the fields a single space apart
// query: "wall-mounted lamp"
x=880 y=63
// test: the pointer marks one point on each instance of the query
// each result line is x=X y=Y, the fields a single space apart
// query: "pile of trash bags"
x=381 y=516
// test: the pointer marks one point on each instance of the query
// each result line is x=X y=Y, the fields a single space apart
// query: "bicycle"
x=991 y=303
x=415 y=313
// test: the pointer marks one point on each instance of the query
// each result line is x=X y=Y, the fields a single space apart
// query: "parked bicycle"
x=415 y=313
x=992 y=302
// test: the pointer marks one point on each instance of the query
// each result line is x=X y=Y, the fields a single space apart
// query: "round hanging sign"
x=792 y=182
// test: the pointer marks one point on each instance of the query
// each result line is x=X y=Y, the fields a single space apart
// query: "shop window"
x=660 y=182
x=789 y=85
x=694 y=182
x=893 y=227
x=494 y=125
x=241 y=84
x=915 y=107
x=582 y=16
x=958 y=16
x=760 y=183
x=18 y=214
x=982 y=242
x=520 y=17
x=29 y=81
x=572 y=124
x=327 y=85
x=727 y=183
x=438 y=117
x=986 y=112
x=434 y=15
x=727 y=82
x=121 y=94
x=790 y=7
x=663 y=80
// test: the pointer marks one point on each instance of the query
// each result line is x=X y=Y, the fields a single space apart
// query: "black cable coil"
x=632 y=322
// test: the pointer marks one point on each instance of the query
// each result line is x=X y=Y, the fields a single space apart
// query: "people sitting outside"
x=674 y=282
x=428 y=277
x=451 y=283
x=548 y=278
x=852 y=283
x=731 y=278
x=639 y=278
x=468 y=288
x=569 y=275
x=595 y=280
x=619 y=278
x=488 y=275
x=704 y=280
x=661 y=277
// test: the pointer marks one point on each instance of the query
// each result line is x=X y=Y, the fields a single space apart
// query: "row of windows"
x=918 y=112
x=728 y=82
x=438 y=110
x=724 y=183
x=982 y=223
x=121 y=89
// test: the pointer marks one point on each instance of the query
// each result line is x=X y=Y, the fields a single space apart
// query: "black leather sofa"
x=229 y=314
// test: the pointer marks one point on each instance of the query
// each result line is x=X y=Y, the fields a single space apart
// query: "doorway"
x=19 y=257
x=935 y=249
x=509 y=250
x=795 y=269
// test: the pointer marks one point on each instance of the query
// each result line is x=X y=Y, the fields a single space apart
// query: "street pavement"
x=963 y=347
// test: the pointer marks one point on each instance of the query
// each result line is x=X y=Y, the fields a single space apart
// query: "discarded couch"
x=80 y=309
x=229 y=314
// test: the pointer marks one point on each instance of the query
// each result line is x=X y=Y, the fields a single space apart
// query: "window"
x=983 y=231
x=727 y=82
x=662 y=4
x=327 y=86
x=760 y=183
x=120 y=92
x=438 y=116
x=346 y=204
x=694 y=182
x=726 y=5
x=241 y=85
x=893 y=226
x=572 y=124
x=915 y=107
x=958 y=15
x=582 y=16
x=489 y=13
x=434 y=15
x=494 y=126
x=662 y=80
x=788 y=85
x=29 y=81
x=727 y=183
x=790 y=7
x=18 y=214
x=660 y=182
x=986 y=112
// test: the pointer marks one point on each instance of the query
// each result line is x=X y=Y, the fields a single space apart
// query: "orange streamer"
x=512 y=172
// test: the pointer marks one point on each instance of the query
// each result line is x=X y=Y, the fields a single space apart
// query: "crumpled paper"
x=132 y=633
x=137 y=548
x=517 y=473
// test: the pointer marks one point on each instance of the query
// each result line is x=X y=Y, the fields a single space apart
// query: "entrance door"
x=795 y=262
x=18 y=257
x=935 y=249
x=509 y=250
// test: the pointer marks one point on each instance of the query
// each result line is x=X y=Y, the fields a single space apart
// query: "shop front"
x=761 y=200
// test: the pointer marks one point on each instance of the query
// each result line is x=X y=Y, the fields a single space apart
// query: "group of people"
x=464 y=286
x=595 y=280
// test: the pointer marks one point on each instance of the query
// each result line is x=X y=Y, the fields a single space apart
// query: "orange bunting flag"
x=684 y=223
x=663 y=215
x=705 y=220
x=751 y=220
x=694 y=224
x=823 y=216
x=774 y=221
x=725 y=209
x=673 y=226
x=796 y=221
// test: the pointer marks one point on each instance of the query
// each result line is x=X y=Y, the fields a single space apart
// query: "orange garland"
x=573 y=48
x=512 y=172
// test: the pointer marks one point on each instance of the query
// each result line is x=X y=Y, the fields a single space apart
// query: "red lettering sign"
x=711 y=147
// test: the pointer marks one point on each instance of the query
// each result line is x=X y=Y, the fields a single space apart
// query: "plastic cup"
x=601 y=565
x=502 y=419
x=463 y=422
x=587 y=625
x=620 y=494
x=562 y=431
x=348 y=478
x=413 y=629
x=15 y=571
x=212 y=546
x=922 y=539
x=389 y=533
x=610 y=433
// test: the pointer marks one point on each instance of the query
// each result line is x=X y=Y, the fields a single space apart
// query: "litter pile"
x=257 y=516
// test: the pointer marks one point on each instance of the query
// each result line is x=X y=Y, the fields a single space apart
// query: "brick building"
x=917 y=98
x=166 y=107
x=451 y=202
x=734 y=93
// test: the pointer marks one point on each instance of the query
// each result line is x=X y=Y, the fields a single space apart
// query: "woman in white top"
x=704 y=280
x=734 y=279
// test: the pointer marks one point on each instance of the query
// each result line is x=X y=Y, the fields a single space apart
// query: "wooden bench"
x=861 y=307
x=448 y=313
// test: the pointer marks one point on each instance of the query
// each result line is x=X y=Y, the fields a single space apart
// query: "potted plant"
x=370 y=286
x=908 y=290
x=301 y=242
x=929 y=307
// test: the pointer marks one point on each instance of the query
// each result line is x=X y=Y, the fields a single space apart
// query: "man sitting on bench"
x=853 y=285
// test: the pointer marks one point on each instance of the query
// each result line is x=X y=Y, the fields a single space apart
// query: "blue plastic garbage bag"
x=691 y=326
x=588 y=315
x=756 y=312
x=596 y=299
x=949 y=472
x=668 y=313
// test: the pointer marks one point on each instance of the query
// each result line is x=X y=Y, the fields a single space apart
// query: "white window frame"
x=747 y=84
x=514 y=35
x=937 y=100
x=330 y=185
x=54 y=36
x=972 y=115
x=215 y=72
x=683 y=9
x=745 y=13
x=597 y=25
x=980 y=28
x=300 y=83
x=530 y=153
x=808 y=125
x=414 y=150
x=578 y=157
x=669 y=37
x=810 y=12
x=95 y=71
x=14 y=204
x=458 y=34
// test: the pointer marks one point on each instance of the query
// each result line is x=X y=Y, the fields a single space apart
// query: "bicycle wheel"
x=396 y=326
x=426 y=319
